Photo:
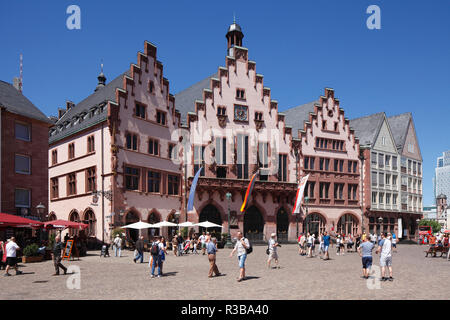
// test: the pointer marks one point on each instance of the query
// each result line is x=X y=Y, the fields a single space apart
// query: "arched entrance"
x=91 y=221
x=132 y=234
x=347 y=224
x=253 y=224
x=210 y=213
x=172 y=231
x=152 y=219
x=75 y=217
x=282 y=225
x=314 y=223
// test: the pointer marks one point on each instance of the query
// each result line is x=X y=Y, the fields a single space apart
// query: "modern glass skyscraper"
x=442 y=175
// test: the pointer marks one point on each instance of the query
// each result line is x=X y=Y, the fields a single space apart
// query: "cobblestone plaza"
x=186 y=277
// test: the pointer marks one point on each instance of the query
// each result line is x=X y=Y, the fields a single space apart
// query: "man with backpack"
x=243 y=248
x=155 y=252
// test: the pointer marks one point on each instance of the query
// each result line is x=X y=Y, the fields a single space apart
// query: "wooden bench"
x=434 y=250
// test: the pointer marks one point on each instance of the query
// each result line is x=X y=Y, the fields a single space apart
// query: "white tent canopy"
x=139 y=225
x=207 y=224
x=163 y=224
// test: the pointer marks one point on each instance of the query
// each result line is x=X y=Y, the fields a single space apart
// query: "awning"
x=63 y=224
x=10 y=220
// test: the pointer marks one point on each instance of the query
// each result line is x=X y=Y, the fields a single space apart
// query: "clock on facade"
x=240 y=113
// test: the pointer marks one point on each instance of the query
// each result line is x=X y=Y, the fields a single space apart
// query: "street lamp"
x=228 y=244
x=40 y=209
x=380 y=221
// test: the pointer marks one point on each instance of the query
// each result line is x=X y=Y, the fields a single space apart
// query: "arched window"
x=75 y=217
x=314 y=223
x=253 y=224
x=152 y=219
x=347 y=224
x=91 y=221
x=282 y=225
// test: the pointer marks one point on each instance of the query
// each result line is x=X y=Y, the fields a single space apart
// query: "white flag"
x=299 y=196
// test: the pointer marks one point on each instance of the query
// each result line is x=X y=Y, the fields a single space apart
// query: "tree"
x=436 y=226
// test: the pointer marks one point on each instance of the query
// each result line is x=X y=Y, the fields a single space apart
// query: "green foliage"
x=117 y=231
x=51 y=241
x=31 y=250
x=184 y=232
x=436 y=226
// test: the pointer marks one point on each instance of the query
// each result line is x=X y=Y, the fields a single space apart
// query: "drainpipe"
x=361 y=158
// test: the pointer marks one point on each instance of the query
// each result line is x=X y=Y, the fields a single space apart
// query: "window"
x=381 y=179
x=387 y=161
x=374 y=178
x=394 y=163
x=173 y=151
x=199 y=160
x=242 y=156
x=323 y=191
x=341 y=165
x=381 y=198
x=22 y=198
x=91 y=184
x=388 y=179
x=352 y=191
x=221 y=111
x=324 y=124
x=311 y=163
x=258 y=116
x=282 y=167
x=90 y=144
x=410 y=148
x=394 y=180
x=71 y=184
x=327 y=164
x=240 y=94
x=151 y=86
x=71 y=150
x=140 y=111
x=336 y=128
x=23 y=131
x=132 y=177
x=306 y=163
x=374 y=197
x=309 y=189
x=355 y=166
x=22 y=164
x=54 y=188
x=383 y=141
x=173 y=184
x=154 y=181
x=161 y=117
x=153 y=147
x=321 y=162
x=131 y=141
x=339 y=191
x=388 y=198
x=336 y=164
x=221 y=151
x=419 y=168
x=381 y=160
x=54 y=157
x=373 y=159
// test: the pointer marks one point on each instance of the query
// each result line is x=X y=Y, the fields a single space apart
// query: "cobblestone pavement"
x=415 y=277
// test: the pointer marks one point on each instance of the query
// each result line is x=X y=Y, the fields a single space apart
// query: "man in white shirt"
x=273 y=255
x=11 y=254
x=202 y=239
x=385 y=247
x=118 y=246
x=241 y=247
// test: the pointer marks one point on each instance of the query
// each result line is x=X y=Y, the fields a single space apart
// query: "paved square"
x=416 y=277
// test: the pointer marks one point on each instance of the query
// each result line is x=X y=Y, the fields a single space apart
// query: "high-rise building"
x=442 y=175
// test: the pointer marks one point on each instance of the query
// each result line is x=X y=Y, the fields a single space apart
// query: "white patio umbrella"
x=207 y=224
x=186 y=224
x=164 y=224
x=139 y=225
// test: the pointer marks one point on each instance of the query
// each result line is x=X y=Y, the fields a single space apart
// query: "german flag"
x=249 y=191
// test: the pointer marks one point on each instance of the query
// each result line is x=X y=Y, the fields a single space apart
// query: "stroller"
x=186 y=247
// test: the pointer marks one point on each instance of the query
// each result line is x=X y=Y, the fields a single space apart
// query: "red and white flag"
x=299 y=196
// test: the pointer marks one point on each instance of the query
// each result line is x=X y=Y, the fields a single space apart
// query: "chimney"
x=69 y=104
x=61 y=112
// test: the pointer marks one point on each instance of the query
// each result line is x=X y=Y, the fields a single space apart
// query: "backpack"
x=250 y=248
x=154 y=251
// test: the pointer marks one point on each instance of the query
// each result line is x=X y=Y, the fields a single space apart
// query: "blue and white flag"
x=190 y=205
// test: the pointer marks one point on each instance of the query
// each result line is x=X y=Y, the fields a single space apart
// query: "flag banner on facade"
x=249 y=191
x=190 y=205
x=299 y=196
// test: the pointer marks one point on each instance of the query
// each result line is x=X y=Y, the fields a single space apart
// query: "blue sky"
x=300 y=47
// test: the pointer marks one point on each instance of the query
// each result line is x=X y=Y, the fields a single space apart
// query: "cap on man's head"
x=273 y=235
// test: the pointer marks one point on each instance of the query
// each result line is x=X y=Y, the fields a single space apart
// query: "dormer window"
x=258 y=116
x=140 y=111
x=221 y=111
x=240 y=94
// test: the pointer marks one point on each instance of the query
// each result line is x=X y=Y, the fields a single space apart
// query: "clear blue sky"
x=300 y=47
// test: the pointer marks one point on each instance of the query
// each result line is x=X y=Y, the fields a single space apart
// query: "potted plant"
x=30 y=254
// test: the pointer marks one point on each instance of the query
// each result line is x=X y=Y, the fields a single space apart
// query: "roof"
x=15 y=102
x=88 y=112
x=367 y=128
x=399 y=127
x=296 y=116
x=185 y=100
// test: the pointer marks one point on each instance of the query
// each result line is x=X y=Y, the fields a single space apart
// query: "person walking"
x=365 y=252
x=394 y=242
x=155 y=252
x=117 y=245
x=162 y=252
x=211 y=249
x=338 y=245
x=58 y=246
x=2 y=253
x=385 y=247
x=326 y=245
x=11 y=256
x=242 y=244
x=180 y=242
x=202 y=240
x=357 y=242
x=273 y=254
x=310 y=240
x=140 y=250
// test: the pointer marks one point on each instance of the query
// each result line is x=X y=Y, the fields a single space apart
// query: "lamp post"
x=229 y=244
x=177 y=218
x=306 y=200
x=380 y=221
x=40 y=209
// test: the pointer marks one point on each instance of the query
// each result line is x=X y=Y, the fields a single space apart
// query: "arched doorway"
x=210 y=213
x=132 y=234
x=172 y=231
x=314 y=223
x=282 y=225
x=347 y=224
x=152 y=219
x=91 y=221
x=253 y=224
x=75 y=217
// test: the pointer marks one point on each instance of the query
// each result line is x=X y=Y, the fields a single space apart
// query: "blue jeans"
x=140 y=257
x=117 y=250
x=156 y=261
x=241 y=260
x=180 y=249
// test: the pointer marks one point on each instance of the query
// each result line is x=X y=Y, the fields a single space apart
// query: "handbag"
x=136 y=253
x=267 y=250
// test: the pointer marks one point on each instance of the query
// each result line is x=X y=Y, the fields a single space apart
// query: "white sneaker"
x=152 y=276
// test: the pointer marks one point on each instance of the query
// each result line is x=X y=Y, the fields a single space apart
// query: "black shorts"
x=11 y=261
x=366 y=262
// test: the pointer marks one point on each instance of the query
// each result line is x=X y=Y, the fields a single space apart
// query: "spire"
x=101 y=78
x=234 y=36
